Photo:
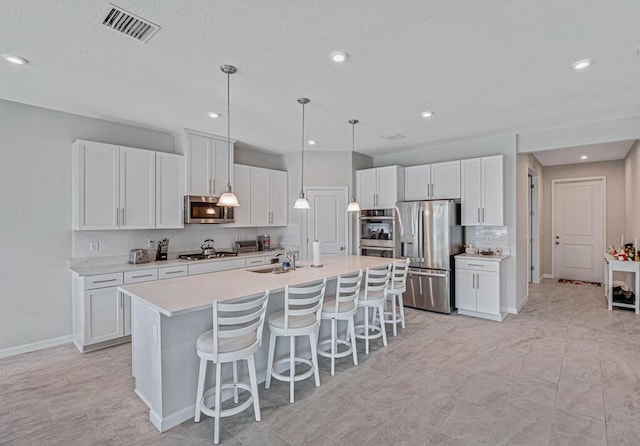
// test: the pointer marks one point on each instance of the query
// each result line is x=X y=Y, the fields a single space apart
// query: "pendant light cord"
x=302 y=176
x=228 y=130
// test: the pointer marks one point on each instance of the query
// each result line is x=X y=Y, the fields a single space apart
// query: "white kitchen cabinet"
x=380 y=188
x=169 y=195
x=104 y=318
x=480 y=288
x=482 y=196
x=117 y=187
x=262 y=194
x=432 y=181
x=206 y=162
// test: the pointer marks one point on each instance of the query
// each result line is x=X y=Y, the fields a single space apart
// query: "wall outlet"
x=151 y=244
x=94 y=246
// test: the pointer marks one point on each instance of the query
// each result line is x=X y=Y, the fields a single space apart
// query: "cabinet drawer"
x=169 y=272
x=478 y=265
x=102 y=281
x=143 y=275
x=218 y=265
x=255 y=261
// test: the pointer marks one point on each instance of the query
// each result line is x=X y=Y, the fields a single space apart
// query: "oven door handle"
x=419 y=273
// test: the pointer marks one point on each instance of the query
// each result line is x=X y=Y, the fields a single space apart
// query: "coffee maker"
x=264 y=242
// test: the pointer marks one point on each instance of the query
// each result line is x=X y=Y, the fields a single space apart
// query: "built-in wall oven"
x=377 y=231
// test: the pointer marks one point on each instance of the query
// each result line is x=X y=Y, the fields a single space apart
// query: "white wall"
x=632 y=193
x=614 y=171
x=35 y=180
x=472 y=148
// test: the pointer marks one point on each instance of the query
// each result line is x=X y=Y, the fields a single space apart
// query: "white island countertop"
x=181 y=295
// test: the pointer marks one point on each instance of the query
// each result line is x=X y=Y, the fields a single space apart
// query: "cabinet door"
x=259 y=197
x=199 y=162
x=242 y=189
x=416 y=182
x=103 y=315
x=137 y=188
x=488 y=292
x=96 y=186
x=278 y=197
x=169 y=196
x=366 y=188
x=220 y=167
x=387 y=187
x=126 y=315
x=492 y=191
x=465 y=290
x=471 y=193
x=445 y=180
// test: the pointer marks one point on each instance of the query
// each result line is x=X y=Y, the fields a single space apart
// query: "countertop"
x=93 y=269
x=181 y=295
x=494 y=258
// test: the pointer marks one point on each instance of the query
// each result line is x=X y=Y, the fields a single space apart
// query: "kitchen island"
x=169 y=315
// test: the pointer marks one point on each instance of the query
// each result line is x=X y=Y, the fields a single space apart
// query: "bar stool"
x=341 y=307
x=301 y=317
x=374 y=296
x=236 y=334
x=397 y=287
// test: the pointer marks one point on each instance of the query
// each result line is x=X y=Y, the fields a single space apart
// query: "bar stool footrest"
x=226 y=412
x=362 y=335
x=287 y=378
x=327 y=353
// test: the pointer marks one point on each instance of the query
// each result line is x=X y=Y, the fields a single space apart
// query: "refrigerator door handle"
x=426 y=274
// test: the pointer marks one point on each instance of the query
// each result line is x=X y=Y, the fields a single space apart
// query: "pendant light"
x=302 y=202
x=353 y=205
x=228 y=199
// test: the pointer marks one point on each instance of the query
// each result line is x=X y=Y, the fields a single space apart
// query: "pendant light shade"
x=353 y=205
x=228 y=198
x=302 y=202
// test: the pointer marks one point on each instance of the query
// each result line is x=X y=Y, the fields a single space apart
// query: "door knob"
x=342 y=248
x=557 y=236
x=557 y=243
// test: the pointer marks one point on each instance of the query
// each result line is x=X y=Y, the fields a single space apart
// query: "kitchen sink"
x=275 y=269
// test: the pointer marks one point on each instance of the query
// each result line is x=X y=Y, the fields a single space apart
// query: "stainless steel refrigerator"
x=429 y=234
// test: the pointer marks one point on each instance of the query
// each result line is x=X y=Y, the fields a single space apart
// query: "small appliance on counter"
x=137 y=256
x=163 y=249
x=243 y=246
x=207 y=248
x=264 y=242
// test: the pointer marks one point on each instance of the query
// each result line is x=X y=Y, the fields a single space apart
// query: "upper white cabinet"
x=124 y=188
x=432 y=181
x=482 y=197
x=206 y=162
x=169 y=196
x=380 y=188
x=113 y=187
x=262 y=194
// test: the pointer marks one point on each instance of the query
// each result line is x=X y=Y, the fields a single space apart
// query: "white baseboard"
x=547 y=276
x=26 y=348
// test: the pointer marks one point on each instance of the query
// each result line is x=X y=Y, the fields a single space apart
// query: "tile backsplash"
x=118 y=243
x=487 y=236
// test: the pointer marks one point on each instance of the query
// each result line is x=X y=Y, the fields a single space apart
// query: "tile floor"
x=563 y=372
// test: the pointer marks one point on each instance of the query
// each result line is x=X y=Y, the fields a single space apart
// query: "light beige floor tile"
x=581 y=397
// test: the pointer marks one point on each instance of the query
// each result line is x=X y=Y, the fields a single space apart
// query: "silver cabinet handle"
x=479 y=221
x=213 y=187
x=477 y=281
x=121 y=300
x=105 y=281
x=173 y=272
x=473 y=281
x=123 y=221
x=482 y=215
x=255 y=261
x=144 y=275
x=117 y=217
x=476 y=264
x=416 y=273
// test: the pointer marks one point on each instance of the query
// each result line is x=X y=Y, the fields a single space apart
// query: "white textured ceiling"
x=594 y=152
x=483 y=67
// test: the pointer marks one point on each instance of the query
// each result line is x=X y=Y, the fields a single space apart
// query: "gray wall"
x=472 y=148
x=35 y=180
x=632 y=193
x=614 y=171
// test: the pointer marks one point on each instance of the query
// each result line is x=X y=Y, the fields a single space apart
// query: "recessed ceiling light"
x=339 y=56
x=15 y=59
x=584 y=157
x=427 y=114
x=213 y=115
x=311 y=142
x=581 y=64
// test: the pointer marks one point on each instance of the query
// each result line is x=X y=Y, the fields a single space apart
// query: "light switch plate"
x=94 y=246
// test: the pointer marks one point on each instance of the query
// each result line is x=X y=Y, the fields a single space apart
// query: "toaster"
x=138 y=256
x=242 y=246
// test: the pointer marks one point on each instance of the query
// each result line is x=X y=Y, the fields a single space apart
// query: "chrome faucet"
x=288 y=256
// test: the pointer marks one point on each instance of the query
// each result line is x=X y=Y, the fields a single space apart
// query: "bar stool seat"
x=341 y=307
x=300 y=317
x=236 y=335
x=373 y=297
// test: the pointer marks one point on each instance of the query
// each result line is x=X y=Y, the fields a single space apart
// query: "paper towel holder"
x=316 y=244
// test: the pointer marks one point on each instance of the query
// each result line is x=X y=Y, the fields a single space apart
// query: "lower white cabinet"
x=104 y=318
x=480 y=288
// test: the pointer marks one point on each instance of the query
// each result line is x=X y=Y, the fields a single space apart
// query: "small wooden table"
x=624 y=266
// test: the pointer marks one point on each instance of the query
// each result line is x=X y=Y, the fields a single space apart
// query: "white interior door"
x=578 y=229
x=327 y=219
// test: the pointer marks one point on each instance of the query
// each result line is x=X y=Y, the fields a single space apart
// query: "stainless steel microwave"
x=205 y=210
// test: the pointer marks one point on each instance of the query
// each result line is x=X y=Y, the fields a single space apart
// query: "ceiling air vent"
x=393 y=136
x=129 y=24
